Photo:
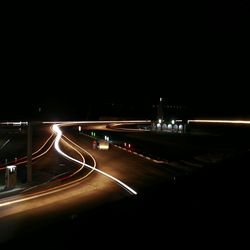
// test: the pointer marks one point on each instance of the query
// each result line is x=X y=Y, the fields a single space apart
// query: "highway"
x=80 y=191
x=118 y=175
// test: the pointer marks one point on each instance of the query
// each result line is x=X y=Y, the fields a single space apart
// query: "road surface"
x=165 y=207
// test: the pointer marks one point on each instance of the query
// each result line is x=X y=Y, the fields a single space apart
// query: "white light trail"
x=7 y=202
x=85 y=152
x=96 y=122
x=64 y=178
x=57 y=147
x=115 y=126
x=5 y=143
x=23 y=159
x=221 y=121
x=54 y=189
x=14 y=123
x=83 y=160
x=65 y=186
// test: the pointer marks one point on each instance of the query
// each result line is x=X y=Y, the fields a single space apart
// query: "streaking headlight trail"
x=221 y=121
x=58 y=131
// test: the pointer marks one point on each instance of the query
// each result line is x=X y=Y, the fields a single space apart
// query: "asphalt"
x=200 y=209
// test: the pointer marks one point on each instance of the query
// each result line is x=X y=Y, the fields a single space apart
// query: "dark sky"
x=191 y=55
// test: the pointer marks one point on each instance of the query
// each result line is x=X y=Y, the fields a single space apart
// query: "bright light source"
x=17 y=123
x=57 y=147
x=79 y=128
x=103 y=145
x=129 y=145
x=12 y=168
x=173 y=122
x=125 y=144
x=220 y=121
x=160 y=120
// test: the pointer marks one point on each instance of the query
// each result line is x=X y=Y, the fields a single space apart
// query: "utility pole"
x=29 y=153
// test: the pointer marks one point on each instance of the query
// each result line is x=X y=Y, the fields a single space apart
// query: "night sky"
x=199 y=55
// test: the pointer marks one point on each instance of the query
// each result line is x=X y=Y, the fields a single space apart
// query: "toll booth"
x=10 y=177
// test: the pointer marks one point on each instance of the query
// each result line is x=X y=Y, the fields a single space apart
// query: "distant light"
x=160 y=120
x=160 y=99
x=103 y=145
x=17 y=123
x=79 y=128
x=173 y=122
x=12 y=168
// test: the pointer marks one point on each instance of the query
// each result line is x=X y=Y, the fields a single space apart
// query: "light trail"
x=44 y=143
x=72 y=183
x=72 y=174
x=96 y=122
x=53 y=180
x=83 y=161
x=14 y=123
x=86 y=153
x=57 y=147
x=23 y=159
x=113 y=126
x=38 y=156
x=4 y=144
x=221 y=121
x=51 y=190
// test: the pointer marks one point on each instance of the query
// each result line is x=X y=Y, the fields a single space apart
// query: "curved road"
x=113 y=167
